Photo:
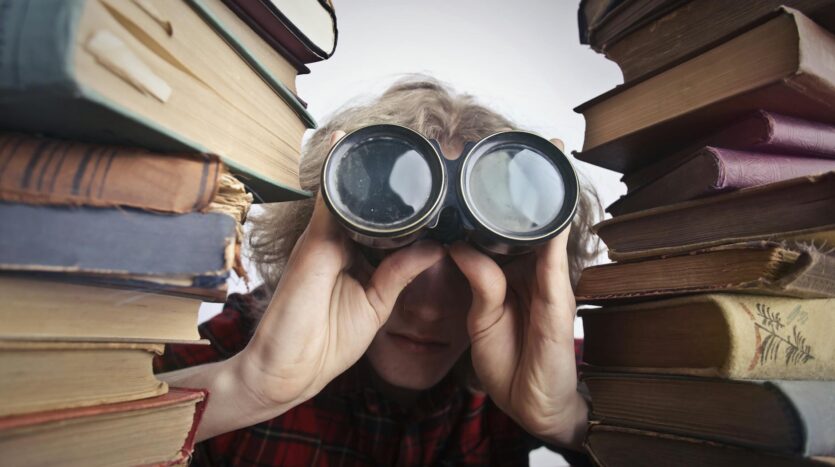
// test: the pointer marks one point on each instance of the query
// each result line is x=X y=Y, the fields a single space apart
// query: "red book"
x=761 y=131
x=716 y=170
x=157 y=431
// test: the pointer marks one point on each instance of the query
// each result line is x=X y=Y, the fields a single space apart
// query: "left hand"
x=521 y=327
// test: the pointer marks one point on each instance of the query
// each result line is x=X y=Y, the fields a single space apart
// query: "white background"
x=522 y=58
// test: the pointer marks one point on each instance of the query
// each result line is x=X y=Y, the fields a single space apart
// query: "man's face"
x=427 y=330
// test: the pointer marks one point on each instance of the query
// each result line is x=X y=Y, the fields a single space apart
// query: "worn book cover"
x=738 y=336
x=796 y=208
x=713 y=170
x=793 y=417
x=614 y=446
x=158 y=431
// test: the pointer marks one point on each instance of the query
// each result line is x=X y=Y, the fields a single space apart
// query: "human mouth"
x=418 y=344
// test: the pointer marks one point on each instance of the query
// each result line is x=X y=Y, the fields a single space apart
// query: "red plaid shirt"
x=349 y=423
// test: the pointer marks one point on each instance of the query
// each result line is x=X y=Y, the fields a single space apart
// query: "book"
x=48 y=171
x=612 y=446
x=738 y=336
x=305 y=32
x=158 y=431
x=783 y=64
x=641 y=48
x=754 y=267
x=194 y=250
x=38 y=308
x=792 y=417
x=792 y=208
x=45 y=375
x=622 y=18
x=258 y=52
x=590 y=13
x=713 y=170
x=110 y=72
x=760 y=131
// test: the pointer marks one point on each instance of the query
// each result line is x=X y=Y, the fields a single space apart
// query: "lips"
x=417 y=343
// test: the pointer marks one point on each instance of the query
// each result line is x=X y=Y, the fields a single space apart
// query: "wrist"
x=569 y=431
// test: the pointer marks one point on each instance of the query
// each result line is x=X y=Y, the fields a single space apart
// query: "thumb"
x=396 y=271
x=488 y=285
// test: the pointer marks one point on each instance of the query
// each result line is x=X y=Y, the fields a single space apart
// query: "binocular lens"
x=514 y=190
x=381 y=183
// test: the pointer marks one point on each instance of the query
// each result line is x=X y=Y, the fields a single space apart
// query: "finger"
x=558 y=143
x=335 y=137
x=488 y=285
x=552 y=269
x=396 y=271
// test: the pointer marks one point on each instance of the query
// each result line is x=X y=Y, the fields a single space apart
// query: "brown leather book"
x=754 y=267
x=37 y=170
x=158 y=431
x=792 y=417
x=712 y=170
x=688 y=27
x=614 y=446
x=723 y=335
x=788 y=209
x=783 y=63
x=760 y=131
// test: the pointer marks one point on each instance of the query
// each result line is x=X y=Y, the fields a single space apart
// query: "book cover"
x=794 y=417
x=713 y=170
x=612 y=446
x=158 y=431
x=789 y=209
x=48 y=171
x=754 y=267
x=737 y=336
x=783 y=63
x=759 y=132
x=115 y=241
x=642 y=48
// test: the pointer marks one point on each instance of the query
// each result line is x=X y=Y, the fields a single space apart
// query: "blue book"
x=190 y=254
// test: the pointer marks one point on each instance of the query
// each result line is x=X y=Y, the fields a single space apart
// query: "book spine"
x=36 y=41
x=716 y=170
x=115 y=242
x=47 y=171
x=779 y=338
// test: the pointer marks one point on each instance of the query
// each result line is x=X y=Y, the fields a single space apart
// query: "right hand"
x=322 y=318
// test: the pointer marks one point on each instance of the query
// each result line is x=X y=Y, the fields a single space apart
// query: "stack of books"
x=711 y=344
x=133 y=137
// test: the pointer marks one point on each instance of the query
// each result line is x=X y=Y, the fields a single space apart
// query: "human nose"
x=418 y=306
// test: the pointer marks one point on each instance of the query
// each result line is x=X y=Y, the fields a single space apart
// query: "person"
x=440 y=355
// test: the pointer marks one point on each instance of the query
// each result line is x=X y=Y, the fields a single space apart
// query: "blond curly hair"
x=430 y=108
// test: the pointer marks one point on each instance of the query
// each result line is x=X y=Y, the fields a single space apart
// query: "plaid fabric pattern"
x=351 y=424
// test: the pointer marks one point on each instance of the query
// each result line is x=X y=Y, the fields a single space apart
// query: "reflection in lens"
x=381 y=182
x=516 y=190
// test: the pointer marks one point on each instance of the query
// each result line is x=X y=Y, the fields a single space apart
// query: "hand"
x=521 y=327
x=322 y=317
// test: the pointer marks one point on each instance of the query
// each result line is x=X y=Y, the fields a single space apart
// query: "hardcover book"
x=785 y=63
x=113 y=72
x=795 y=208
x=642 y=47
x=42 y=375
x=736 y=336
x=793 y=417
x=158 y=431
x=613 y=446
x=759 y=132
x=192 y=250
x=37 y=308
x=713 y=170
